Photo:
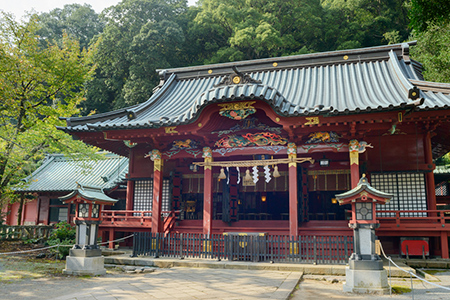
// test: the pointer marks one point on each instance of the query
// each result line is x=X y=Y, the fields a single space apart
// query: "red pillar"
x=354 y=162
x=431 y=192
x=207 y=192
x=111 y=238
x=130 y=195
x=157 y=191
x=130 y=184
x=293 y=197
x=444 y=245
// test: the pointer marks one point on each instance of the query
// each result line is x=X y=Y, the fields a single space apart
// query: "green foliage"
x=63 y=231
x=433 y=52
x=80 y=22
x=251 y=29
x=399 y=289
x=64 y=235
x=363 y=23
x=37 y=86
x=139 y=37
x=424 y=13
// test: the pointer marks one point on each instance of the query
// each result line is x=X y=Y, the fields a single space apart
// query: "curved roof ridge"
x=405 y=81
x=258 y=91
x=246 y=65
x=432 y=86
x=155 y=97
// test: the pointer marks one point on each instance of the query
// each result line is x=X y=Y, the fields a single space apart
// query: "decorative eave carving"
x=237 y=78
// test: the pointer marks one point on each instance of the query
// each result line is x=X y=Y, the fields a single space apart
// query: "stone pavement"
x=198 y=283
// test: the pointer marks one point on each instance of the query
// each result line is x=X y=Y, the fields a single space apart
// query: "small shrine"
x=85 y=258
x=365 y=273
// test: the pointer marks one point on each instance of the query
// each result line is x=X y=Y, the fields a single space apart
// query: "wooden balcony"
x=414 y=221
x=133 y=219
x=399 y=222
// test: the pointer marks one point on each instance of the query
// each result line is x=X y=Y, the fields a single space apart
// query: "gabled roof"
x=90 y=193
x=333 y=83
x=363 y=186
x=61 y=174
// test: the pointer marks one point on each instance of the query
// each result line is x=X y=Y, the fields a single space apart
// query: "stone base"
x=366 y=281
x=85 y=266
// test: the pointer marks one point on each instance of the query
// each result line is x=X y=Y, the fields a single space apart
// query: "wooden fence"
x=246 y=247
x=24 y=232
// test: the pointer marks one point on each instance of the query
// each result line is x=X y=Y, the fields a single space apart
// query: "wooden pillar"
x=444 y=245
x=111 y=238
x=293 y=206
x=207 y=192
x=157 y=190
x=431 y=192
x=353 y=148
x=130 y=195
x=129 y=204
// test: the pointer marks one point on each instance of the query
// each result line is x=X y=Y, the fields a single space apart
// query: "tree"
x=364 y=23
x=80 y=22
x=139 y=36
x=430 y=21
x=425 y=12
x=37 y=86
x=433 y=52
x=251 y=29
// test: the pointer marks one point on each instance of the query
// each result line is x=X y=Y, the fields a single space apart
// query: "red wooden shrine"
x=265 y=145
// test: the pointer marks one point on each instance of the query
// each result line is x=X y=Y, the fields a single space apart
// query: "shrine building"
x=264 y=146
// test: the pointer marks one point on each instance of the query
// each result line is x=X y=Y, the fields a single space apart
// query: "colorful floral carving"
x=207 y=152
x=237 y=110
x=250 y=123
x=129 y=143
x=291 y=148
x=155 y=155
x=323 y=137
x=360 y=147
x=184 y=144
x=250 y=139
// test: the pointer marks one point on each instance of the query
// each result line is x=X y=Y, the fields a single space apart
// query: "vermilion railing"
x=404 y=217
x=134 y=217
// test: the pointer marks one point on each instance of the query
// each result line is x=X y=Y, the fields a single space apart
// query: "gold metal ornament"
x=236 y=79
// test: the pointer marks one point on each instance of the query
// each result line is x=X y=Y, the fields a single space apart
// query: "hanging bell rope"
x=254 y=163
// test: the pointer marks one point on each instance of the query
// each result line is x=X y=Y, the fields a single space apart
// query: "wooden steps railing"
x=169 y=220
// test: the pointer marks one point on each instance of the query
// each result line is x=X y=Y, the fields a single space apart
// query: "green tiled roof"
x=59 y=173
x=90 y=193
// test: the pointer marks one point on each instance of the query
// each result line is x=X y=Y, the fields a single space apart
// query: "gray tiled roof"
x=59 y=173
x=340 y=82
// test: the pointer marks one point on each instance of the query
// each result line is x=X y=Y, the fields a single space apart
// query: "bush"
x=64 y=235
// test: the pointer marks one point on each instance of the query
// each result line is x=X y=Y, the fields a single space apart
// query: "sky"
x=18 y=7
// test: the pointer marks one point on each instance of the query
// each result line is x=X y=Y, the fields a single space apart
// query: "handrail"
x=143 y=216
x=434 y=216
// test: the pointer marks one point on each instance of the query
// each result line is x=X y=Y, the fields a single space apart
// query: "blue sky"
x=18 y=7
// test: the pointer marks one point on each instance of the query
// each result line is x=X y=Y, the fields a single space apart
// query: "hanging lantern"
x=222 y=174
x=276 y=174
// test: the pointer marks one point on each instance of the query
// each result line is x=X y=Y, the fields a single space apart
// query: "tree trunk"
x=20 y=210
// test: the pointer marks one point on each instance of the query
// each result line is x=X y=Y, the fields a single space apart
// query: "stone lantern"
x=85 y=258
x=365 y=273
